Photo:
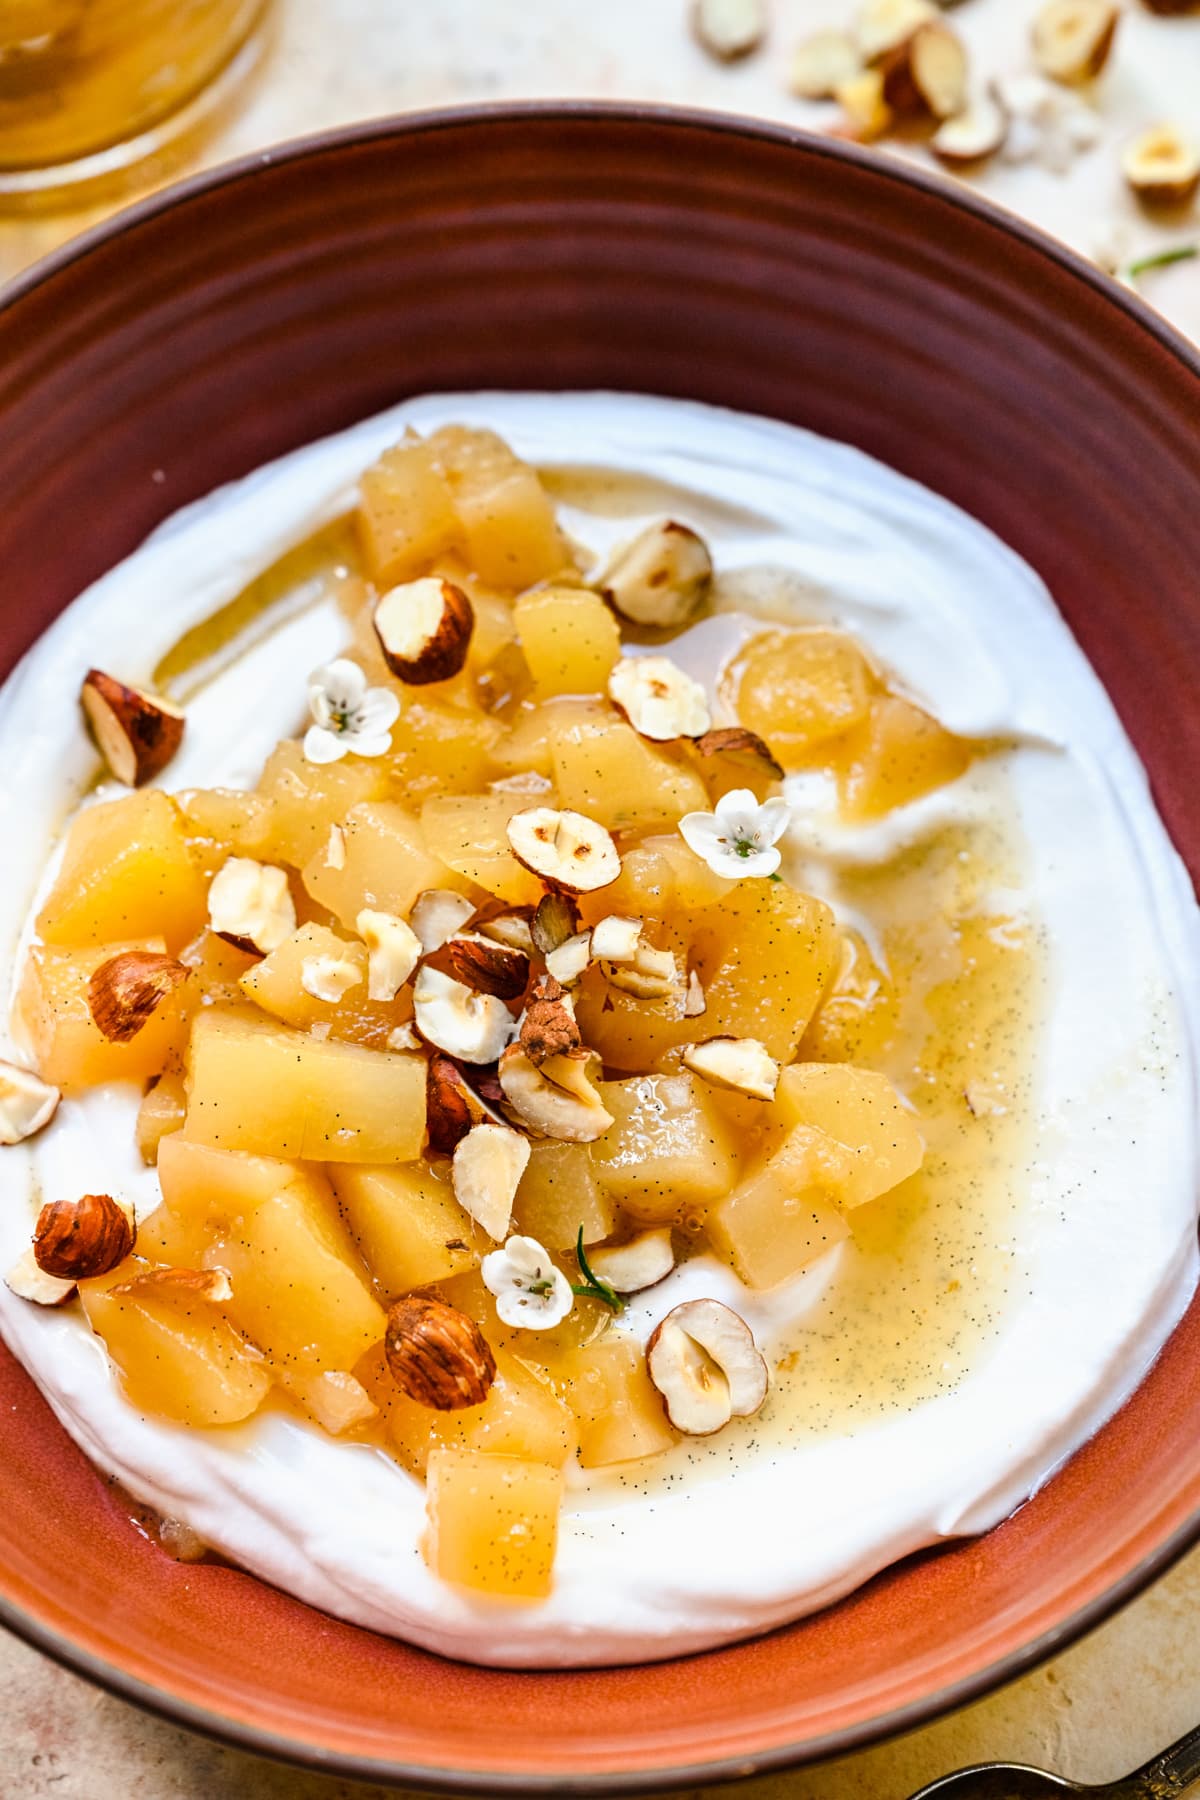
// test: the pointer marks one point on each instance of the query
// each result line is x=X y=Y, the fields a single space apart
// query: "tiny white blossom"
x=347 y=714
x=529 y=1290
x=738 y=838
x=1047 y=124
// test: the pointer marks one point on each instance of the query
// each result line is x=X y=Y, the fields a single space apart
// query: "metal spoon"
x=1170 y=1774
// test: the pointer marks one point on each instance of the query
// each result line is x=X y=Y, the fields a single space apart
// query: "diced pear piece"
x=126 y=873
x=896 y=755
x=407 y=1224
x=260 y=1087
x=780 y=1219
x=299 y=1290
x=604 y=769
x=669 y=1149
x=178 y=1356
x=559 y=1194
x=618 y=1408
x=406 y=512
x=569 y=638
x=877 y=1138
x=766 y=958
x=70 y=1049
x=382 y=863
x=798 y=689
x=302 y=800
x=493 y=1522
x=469 y=833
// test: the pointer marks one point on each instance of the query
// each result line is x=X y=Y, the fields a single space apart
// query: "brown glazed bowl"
x=573 y=247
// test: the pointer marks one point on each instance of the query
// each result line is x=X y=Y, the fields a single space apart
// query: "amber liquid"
x=80 y=76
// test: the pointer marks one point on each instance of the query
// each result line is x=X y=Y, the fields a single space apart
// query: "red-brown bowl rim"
x=957 y=1694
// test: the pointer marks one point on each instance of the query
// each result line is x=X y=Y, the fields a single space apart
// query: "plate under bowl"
x=247 y=312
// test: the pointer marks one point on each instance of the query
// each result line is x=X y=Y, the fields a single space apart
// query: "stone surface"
x=1112 y=1701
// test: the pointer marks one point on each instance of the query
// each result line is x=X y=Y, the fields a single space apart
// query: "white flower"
x=738 y=838
x=529 y=1290
x=1046 y=123
x=348 y=714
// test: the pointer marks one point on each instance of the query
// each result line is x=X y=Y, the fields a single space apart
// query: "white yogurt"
x=1106 y=1255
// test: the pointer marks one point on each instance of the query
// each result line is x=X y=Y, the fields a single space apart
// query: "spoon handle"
x=1168 y=1774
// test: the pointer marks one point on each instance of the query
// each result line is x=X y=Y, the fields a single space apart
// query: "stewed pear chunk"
x=406 y=1222
x=669 y=1149
x=661 y=578
x=874 y=1139
x=493 y=1522
x=253 y=1085
x=704 y=1362
x=177 y=1353
x=569 y=640
x=424 y=630
x=127 y=873
x=618 y=1409
x=137 y=733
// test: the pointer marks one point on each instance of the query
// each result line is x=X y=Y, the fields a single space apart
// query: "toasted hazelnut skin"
x=661 y=577
x=555 y=920
x=548 y=1027
x=126 y=990
x=137 y=734
x=444 y=653
x=735 y=740
x=565 y=849
x=724 y=1338
x=448 y=1112
x=437 y=1355
x=1160 y=180
x=485 y=966
x=76 y=1239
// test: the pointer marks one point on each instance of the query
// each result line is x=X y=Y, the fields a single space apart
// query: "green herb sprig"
x=593 y=1286
x=1162 y=259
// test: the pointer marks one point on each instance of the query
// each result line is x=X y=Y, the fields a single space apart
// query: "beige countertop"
x=1133 y=1686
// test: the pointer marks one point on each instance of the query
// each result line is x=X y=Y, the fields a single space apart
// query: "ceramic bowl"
x=574 y=247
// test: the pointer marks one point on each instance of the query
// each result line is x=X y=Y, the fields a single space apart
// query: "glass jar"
x=90 y=87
